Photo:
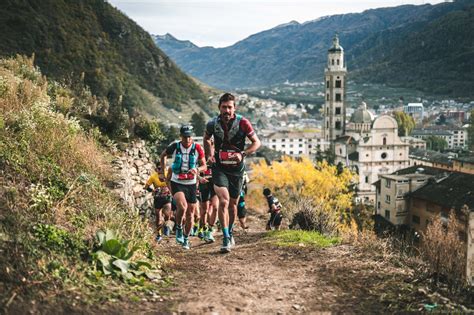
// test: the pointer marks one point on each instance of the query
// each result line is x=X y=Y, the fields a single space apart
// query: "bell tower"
x=335 y=81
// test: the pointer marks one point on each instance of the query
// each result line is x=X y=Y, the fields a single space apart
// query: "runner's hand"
x=237 y=157
x=211 y=160
x=162 y=177
x=193 y=171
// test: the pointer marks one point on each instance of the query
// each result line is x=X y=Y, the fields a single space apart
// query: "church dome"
x=335 y=45
x=361 y=115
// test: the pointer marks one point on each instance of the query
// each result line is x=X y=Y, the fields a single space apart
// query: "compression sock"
x=225 y=231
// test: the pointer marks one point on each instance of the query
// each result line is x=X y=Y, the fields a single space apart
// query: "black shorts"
x=160 y=201
x=233 y=183
x=207 y=191
x=188 y=190
x=241 y=210
x=275 y=219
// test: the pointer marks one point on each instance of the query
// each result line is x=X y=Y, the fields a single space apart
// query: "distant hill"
x=427 y=47
x=117 y=59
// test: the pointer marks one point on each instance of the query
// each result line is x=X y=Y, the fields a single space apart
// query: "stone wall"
x=133 y=167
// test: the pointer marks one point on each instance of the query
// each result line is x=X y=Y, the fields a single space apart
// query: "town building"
x=412 y=197
x=369 y=146
x=335 y=78
x=415 y=110
x=432 y=158
x=455 y=137
x=294 y=143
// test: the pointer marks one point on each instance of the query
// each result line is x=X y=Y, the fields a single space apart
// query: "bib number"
x=227 y=157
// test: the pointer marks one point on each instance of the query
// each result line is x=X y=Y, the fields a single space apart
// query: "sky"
x=221 y=23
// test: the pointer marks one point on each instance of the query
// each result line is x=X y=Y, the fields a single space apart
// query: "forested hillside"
x=428 y=47
x=92 y=42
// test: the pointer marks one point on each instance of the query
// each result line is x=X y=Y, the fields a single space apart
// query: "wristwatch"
x=243 y=154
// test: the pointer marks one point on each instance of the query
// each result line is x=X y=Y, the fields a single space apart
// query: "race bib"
x=185 y=176
x=163 y=192
x=226 y=157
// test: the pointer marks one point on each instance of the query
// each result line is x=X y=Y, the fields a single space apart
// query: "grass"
x=291 y=238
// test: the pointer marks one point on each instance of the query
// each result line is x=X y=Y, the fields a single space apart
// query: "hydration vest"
x=178 y=159
x=229 y=137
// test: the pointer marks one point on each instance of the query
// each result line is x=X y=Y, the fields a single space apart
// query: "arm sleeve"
x=246 y=127
x=200 y=151
x=149 y=181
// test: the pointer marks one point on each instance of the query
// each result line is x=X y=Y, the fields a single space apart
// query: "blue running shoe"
x=179 y=236
x=201 y=234
x=186 y=243
x=166 y=230
x=208 y=237
x=225 y=246
x=158 y=238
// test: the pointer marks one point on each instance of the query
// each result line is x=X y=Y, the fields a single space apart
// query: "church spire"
x=335 y=41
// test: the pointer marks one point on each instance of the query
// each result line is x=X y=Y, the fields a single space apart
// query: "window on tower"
x=338 y=62
x=338 y=97
x=327 y=97
x=327 y=84
x=338 y=83
x=332 y=62
x=338 y=110
x=327 y=110
x=338 y=125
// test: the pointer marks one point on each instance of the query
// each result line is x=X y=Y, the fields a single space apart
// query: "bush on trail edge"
x=54 y=200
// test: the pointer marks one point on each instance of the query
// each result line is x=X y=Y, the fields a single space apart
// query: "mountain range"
x=90 y=40
x=425 y=47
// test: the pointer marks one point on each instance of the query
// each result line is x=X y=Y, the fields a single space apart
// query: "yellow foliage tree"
x=295 y=181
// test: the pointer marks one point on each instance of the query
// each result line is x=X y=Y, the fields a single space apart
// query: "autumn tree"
x=405 y=122
x=321 y=191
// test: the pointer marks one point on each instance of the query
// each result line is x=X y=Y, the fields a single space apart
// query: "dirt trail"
x=258 y=277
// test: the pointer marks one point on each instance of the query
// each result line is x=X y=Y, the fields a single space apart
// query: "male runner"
x=188 y=161
x=227 y=154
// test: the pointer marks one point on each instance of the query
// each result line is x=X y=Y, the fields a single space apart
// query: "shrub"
x=443 y=249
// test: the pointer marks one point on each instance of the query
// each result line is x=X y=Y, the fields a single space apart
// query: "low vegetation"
x=300 y=238
x=54 y=201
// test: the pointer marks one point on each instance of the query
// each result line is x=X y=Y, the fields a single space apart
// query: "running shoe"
x=232 y=241
x=194 y=230
x=201 y=233
x=179 y=236
x=208 y=237
x=225 y=245
x=186 y=243
x=166 y=230
x=158 y=238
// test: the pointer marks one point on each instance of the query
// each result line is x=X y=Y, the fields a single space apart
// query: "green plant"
x=56 y=239
x=113 y=256
x=302 y=238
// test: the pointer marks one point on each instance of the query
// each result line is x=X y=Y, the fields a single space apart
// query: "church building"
x=369 y=146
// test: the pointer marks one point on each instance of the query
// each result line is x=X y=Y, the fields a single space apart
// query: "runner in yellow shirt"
x=162 y=203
